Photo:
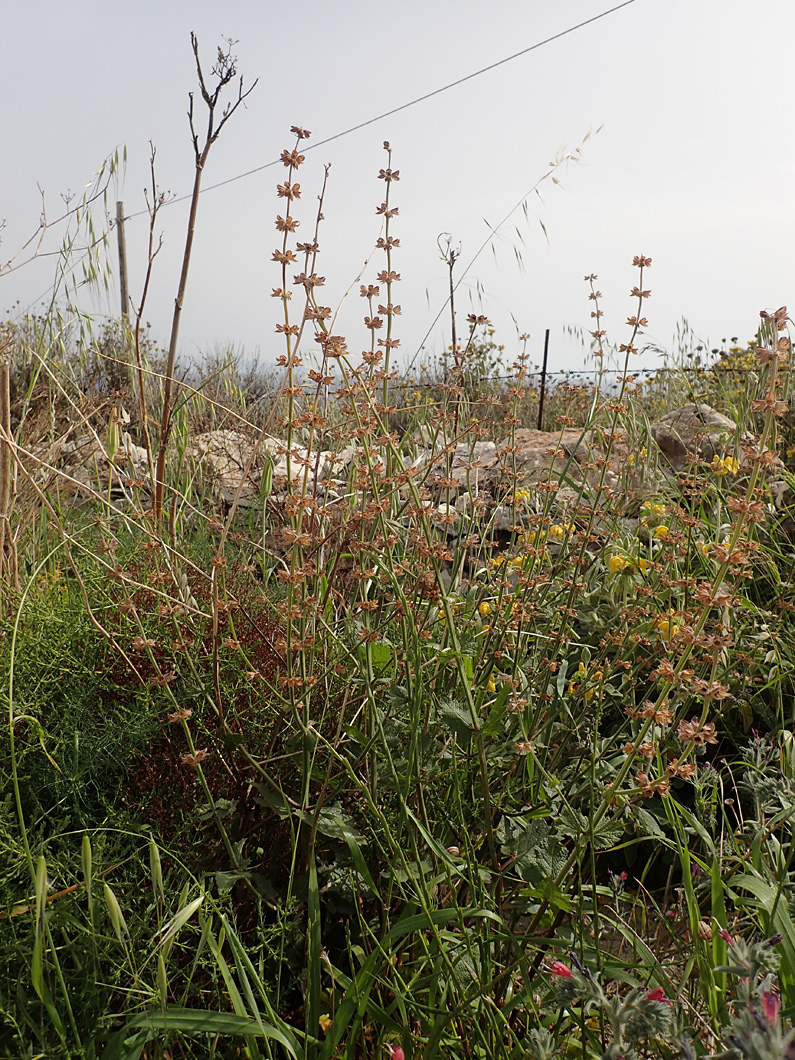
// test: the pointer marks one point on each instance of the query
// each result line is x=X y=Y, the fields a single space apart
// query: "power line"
x=403 y=106
x=380 y=117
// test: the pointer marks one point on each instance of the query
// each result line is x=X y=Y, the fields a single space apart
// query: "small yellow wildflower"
x=619 y=563
x=724 y=465
x=492 y=685
x=652 y=508
x=661 y=531
x=557 y=533
x=484 y=609
x=325 y=1022
x=579 y=678
x=593 y=681
x=665 y=625
x=631 y=458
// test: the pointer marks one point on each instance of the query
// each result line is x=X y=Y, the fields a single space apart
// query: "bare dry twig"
x=224 y=71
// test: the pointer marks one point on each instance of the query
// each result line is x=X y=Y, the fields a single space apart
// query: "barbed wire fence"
x=538 y=378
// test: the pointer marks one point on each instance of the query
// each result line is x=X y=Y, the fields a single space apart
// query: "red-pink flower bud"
x=771 y=1003
x=658 y=994
x=560 y=969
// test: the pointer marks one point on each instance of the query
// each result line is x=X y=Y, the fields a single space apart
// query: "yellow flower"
x=665 y=625
x=492 y=685
x=579 y=678
x=484 y=609
x=651 y=508
x=724 y=465
x=325 y=1022
x=662 y=531
x=557 y=533
x=618 y=564
x=593 y=681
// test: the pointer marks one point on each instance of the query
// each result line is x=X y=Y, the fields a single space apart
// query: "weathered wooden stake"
x=7 y=564
x=125 y=296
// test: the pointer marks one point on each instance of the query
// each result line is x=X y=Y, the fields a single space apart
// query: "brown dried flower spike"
x=194 y=760
x=694 y=731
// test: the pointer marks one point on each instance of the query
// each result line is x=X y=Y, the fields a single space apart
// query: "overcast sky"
x=694 y=165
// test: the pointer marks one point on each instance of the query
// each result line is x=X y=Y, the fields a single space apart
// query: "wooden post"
x=543 y=387
x=125 y=296
x=7 y=563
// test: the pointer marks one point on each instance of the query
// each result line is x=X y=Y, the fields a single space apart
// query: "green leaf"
x=538 y=853
x=457 y=718
x=775 y=905
x=648 y=822
x=435 y=918
x=560 y=681
x=608 y=834
x=187 y=1021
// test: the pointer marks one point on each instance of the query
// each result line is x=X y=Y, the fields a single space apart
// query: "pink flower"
x=724 y=934
x=561 y=970
x=396 y=1052
x=771 y=1003
x=658 y=994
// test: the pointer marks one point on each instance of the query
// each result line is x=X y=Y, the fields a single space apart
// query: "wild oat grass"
x=388 y=760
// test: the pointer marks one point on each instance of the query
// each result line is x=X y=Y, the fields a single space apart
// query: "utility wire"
x=403 y=106
x=380 y=117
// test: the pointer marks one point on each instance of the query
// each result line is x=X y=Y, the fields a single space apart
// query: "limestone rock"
x=580 y=457
x=225 y=455
x=693 y=430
